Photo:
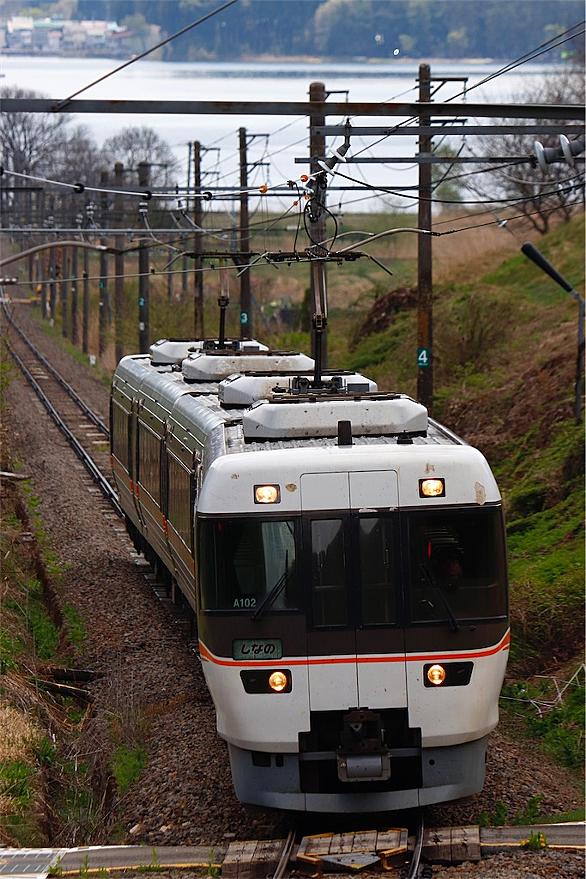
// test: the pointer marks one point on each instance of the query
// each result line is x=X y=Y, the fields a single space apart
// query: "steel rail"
x=86 y=459
x=413 y=871
x=285 y=855
x=89 y=413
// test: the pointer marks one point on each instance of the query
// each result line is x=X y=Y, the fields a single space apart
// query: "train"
x=343 y=557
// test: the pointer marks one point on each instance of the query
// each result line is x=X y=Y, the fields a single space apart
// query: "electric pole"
x=246 y=329
x=64 y=291
x=184 y=259
x=74 y=327
x=104 y=301
x=198 y=313
x=85 y=324
x=318 y=277
x=119 y=267
x=424 y=265
x=144 y=179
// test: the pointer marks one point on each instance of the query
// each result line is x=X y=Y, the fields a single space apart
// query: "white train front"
x=344 y=557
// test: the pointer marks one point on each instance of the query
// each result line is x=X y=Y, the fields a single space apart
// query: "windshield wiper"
x=454 y=626
x=271 y=596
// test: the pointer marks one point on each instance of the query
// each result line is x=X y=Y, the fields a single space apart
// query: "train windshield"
x=458 y=569
x=242 y=560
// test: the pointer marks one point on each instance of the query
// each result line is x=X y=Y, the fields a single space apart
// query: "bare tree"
x=28 y=140
x=539 y=196
x=141 y=144
x=76 y=157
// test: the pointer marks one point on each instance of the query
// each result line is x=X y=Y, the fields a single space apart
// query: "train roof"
x=251 y=399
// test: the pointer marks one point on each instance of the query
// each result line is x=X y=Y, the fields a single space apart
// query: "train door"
x=331 y=637
x=355 y=639
x=380 y=636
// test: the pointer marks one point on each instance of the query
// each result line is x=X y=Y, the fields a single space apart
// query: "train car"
x=344 y=557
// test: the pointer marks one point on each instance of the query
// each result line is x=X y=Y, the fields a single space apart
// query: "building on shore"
x=24 y=34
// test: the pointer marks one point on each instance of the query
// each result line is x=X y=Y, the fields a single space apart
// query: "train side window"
x=120 y=425
x=377 y=566
x=149 y=461
x=328 y=573
x=180 y=513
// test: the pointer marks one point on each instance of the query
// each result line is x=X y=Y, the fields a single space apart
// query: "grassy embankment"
x=47 y=793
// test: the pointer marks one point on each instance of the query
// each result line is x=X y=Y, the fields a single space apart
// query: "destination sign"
x=257 y=648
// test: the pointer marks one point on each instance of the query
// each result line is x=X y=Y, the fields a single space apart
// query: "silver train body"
x=344 y=558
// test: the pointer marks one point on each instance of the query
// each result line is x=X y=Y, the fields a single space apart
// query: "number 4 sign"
x=423 y=357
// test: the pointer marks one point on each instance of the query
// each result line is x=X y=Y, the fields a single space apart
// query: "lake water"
x=286 y=81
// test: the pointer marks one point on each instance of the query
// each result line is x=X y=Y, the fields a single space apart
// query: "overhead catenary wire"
x=301 y=257
x=419 y=198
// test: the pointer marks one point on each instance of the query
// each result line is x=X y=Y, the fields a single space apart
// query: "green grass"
x=44 y=631
x=500 y=815
x=564 y=248
x=127 y=764
x=10 y=649
x=563 y=817
x=15 y=781
x=74 y=625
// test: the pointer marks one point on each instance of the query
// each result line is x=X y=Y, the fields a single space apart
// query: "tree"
x=28 y=140
x=141 y=144
x=554 y=193
x=76 y=158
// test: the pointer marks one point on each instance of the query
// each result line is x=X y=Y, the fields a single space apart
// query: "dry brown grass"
x=18 y=734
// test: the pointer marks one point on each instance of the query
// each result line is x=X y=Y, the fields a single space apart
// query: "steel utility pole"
x=119 y=267
x=44 y=269
x=424 y=263
x=144 y=179
x=318 y=276
x=74 y=326
x=198 y=312
x=54 y=272
x=64 y=292
x=85 y=325
x=184 y=259
x=104 y=301
x=246 y=329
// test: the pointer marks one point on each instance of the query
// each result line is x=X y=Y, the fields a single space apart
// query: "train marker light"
x=436 y=675
x=278 y=681
x=267 y=494
x=432 y=488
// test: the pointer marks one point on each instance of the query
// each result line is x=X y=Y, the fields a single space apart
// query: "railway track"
x=79 y=424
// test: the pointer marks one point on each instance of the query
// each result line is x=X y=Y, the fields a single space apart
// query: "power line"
x=419 y=198
x=522 y=59
x=164 y=42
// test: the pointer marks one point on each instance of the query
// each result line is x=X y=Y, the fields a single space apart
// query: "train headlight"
x=278 y=681
x=267 y=494
x=436 y=675
x=432 y=487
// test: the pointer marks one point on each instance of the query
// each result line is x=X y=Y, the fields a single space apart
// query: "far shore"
x=394 y=65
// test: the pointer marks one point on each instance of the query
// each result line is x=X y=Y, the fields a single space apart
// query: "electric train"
x=344 y=558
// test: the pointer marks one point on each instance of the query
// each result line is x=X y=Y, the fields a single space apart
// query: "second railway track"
x=84 y=429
